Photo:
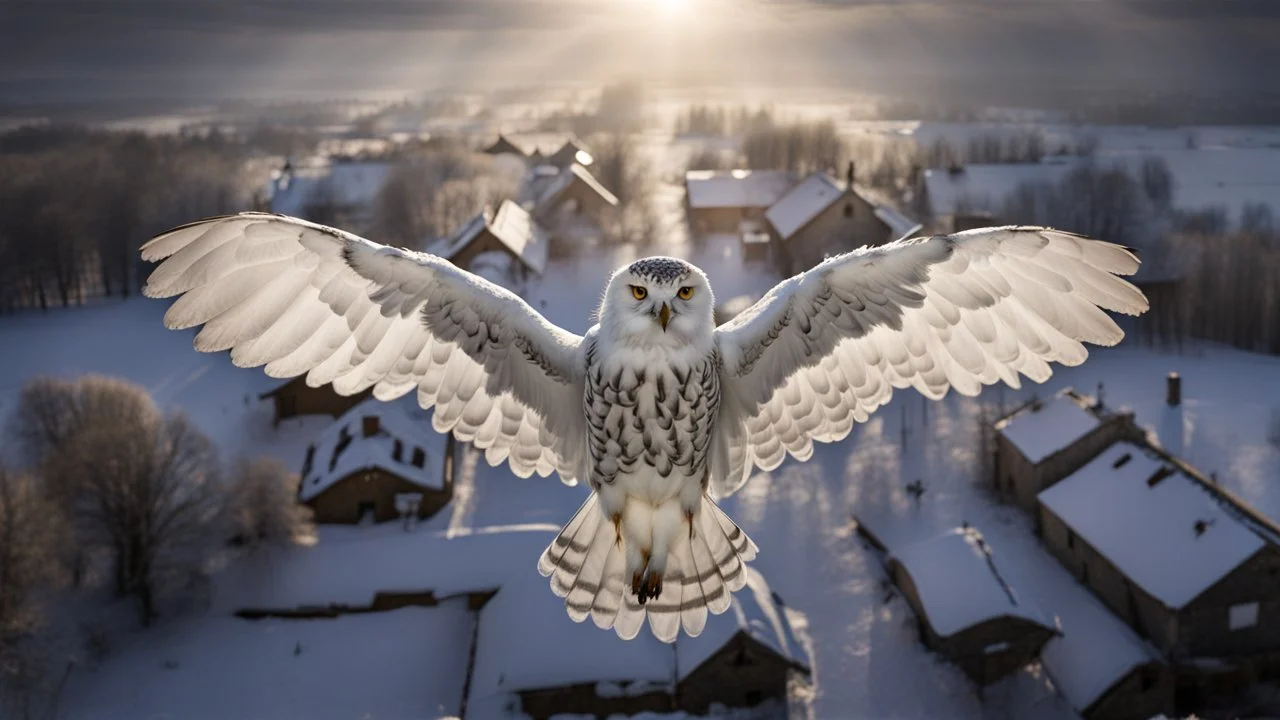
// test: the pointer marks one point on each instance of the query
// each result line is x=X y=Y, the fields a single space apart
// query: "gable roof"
x=736 y=188
x=342 y=449
x=1160 y=527
x=803 y=203
x=1040 y=430
x=572 y=151
x=567 y=177
x=959 y=584
x=511 y=225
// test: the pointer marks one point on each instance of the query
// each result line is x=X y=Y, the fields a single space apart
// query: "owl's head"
x=658 y=301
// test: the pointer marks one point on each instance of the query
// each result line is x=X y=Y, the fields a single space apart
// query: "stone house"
x=296 y=397
x=1184 y=562
x=821 y=217
x=967 y=608
x=1043 y=441
x=376 y=461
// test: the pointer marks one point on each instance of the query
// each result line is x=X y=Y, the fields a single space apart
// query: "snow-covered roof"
x=1095 y=651
x=342 y=183
x=959 y=584
x=343 y=449
x=565 y=178
x=736 y=188
x=803 y=203
x=1039 y=431
x=985 y=187
x=511 y=224
x=1158 y=526
x=900 y=226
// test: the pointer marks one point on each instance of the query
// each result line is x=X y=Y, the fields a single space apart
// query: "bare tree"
x=621 y=166
x=140 y=483
x=430 y=195
x=801 y=147
x=263 y=504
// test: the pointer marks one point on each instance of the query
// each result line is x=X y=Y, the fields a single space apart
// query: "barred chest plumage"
x=645 y=413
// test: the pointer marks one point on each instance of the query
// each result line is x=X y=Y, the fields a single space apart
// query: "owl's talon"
x=617 y=528
x=635 y=585
x=652 y=587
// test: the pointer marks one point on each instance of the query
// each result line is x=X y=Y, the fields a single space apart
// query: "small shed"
x=509 y=232
x=296 y=397
x=721 y=201
x=1043 y=441
x=821 y=217
x=1178 y=558
x=967 y=607
x=356 y=469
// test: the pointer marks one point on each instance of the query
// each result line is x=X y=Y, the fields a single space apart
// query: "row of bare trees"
x=76 y=204
x=116 y=495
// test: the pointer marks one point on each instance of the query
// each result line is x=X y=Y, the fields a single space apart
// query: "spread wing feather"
x=827 y=347
x=304 y=298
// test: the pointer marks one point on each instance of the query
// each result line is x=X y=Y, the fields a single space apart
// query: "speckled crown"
x=660 y=269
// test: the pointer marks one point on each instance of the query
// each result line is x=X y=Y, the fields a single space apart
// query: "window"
x=1071 y=539
x=397 y=451
x=1148 y=679
x=848 y=210
x=419 y=458
x=753 y=698
x=1084 y=573
x=1244 y=615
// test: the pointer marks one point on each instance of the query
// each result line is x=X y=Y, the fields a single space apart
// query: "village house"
x=503 y=146
x=551 y=149
x=378 y=462
x=505 y=247
x=821 y=217
x=295 y=397
x=331 y=191
x=573 y=206
x=967 y=607
x=1043 y=441
x=572 y=152
x=1177 y=557
x=733 y=201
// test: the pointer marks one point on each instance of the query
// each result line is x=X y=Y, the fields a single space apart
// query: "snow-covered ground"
x=867 y=661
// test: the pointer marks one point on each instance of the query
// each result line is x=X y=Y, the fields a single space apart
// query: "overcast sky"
x=70 y=49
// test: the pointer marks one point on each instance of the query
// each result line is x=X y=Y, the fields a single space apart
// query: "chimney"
x=1173 y=390
x=848 y=176
x=369 y=425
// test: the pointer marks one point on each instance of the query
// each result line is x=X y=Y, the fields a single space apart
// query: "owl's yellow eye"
x=685 y=292
x=638 y=292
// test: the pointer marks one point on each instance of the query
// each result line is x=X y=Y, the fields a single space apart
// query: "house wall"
x=743 y=673
x=1028 y=480
x=710 y=221
x=297 y=398
x=967 y=648
x=1145 y=692
x=581 y=699
x=1145 y=614
x=831 y=233
x=1204 y=627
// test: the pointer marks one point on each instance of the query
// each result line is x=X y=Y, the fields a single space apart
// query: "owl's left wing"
x=305 y=298
x=827 y=347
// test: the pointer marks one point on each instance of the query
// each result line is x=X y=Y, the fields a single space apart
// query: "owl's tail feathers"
x=586 y=564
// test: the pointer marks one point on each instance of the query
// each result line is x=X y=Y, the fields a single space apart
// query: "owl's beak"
x=664 y=316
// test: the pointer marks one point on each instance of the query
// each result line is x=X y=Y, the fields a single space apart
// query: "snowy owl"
x=656 y=408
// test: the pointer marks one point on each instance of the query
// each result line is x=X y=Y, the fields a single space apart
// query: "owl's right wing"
x=305 y=298
x=827 y=347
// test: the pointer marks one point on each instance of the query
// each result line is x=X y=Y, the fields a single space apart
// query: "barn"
x=967 y=607
x=374 y=462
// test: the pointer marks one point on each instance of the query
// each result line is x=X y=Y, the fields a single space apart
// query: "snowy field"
x=867 y=661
